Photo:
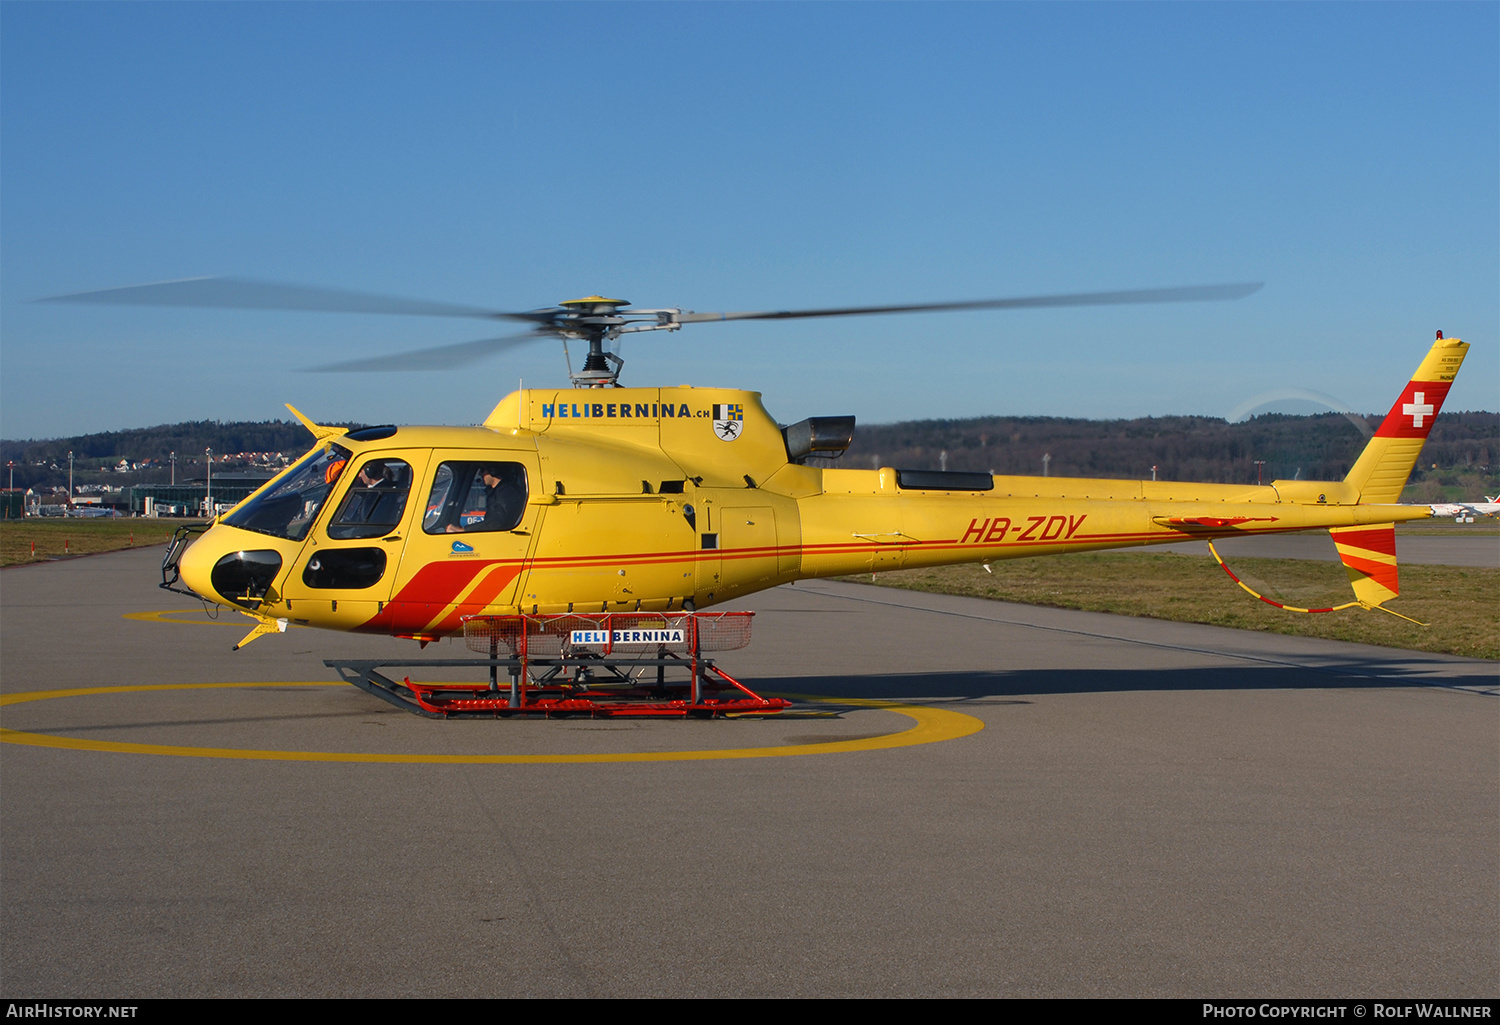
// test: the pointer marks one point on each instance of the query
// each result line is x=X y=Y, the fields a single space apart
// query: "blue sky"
x=750 y=156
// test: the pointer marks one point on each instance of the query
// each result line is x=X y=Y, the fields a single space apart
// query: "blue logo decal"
x=459 y=546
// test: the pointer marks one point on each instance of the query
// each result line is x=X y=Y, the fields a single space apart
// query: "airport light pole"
x=1260 y=465
x=70 y=478
x=208 y=495
x=174 y=469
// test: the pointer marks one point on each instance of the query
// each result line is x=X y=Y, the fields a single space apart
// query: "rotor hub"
x=594 y=319
x=593 y=304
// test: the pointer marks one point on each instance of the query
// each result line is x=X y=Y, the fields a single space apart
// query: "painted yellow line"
x=930 y=725
x=170 y=616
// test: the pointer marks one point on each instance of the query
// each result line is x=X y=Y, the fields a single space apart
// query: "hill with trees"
x=1319 y=447
x=1461 y=452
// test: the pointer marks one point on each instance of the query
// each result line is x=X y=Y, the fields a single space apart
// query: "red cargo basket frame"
x=596 y=666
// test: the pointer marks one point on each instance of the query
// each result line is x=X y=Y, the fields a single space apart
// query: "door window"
x=472 y=496
x=375 y=501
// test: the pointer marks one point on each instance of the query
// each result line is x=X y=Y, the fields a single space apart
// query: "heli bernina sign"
x=599 y=638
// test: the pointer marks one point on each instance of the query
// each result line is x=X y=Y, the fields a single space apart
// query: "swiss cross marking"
x=1417 y=409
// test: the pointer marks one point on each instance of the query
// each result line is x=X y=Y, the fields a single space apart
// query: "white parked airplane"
x=1489 y=507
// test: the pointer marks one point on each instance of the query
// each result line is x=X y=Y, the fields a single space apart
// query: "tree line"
x=1181 y=448
x=1184 y=448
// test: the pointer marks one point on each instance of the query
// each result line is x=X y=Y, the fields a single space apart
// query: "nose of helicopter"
x=220 y=567
x=197 y=564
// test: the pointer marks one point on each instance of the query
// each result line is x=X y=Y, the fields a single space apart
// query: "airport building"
x=187 y=499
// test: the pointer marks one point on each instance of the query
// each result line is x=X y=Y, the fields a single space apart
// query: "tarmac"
x=1149 y=809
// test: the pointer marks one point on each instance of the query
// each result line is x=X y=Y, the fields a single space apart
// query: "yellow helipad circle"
x=930 y=725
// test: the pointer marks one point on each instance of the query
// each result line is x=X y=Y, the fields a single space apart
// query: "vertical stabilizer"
x=1387 y=461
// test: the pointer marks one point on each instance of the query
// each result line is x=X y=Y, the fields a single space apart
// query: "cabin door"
x=467 y=549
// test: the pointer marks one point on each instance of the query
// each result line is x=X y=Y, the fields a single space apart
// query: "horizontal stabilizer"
x=1216 y=522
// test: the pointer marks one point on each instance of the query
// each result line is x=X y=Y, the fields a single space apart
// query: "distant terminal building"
x=188 y=499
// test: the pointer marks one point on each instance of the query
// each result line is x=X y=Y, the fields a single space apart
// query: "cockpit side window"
x=375 y=501
x=471 y=496
x=290 y=503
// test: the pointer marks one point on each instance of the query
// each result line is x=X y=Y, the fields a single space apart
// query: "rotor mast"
x=595 y=319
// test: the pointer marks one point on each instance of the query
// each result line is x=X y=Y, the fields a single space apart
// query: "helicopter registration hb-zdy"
x=607 y=499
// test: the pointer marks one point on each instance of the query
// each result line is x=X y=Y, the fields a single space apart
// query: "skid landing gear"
x=606 y=666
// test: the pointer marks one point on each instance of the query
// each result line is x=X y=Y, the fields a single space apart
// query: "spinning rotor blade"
x=594 y=319
x=1195 y=293
x=245 y=294
x=441 y=357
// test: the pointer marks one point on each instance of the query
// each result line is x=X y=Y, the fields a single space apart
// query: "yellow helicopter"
x=603 y=499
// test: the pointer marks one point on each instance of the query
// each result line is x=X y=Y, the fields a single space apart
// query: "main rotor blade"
x=1193 y=293
x=245 y=294
x=441 y=357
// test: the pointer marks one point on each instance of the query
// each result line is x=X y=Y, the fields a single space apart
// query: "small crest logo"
x=729 y=420
x=459 y=548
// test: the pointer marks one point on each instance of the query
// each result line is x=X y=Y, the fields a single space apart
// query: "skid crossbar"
x=594 y=672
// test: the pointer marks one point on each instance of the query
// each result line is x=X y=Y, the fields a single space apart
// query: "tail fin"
x=1369 y=557
x=1382 y=469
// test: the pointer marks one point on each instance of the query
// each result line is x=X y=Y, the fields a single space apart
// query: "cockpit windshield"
x=290 y=504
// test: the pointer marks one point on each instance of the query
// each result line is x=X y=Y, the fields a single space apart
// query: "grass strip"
x=1460 y=604
x=38 y=540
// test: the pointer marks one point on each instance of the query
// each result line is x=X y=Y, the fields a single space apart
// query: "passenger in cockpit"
x=504 y=498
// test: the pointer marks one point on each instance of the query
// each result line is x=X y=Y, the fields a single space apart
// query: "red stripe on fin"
x=1383 y=573
x=1374 y=539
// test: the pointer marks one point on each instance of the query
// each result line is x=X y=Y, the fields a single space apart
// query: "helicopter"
x=601 y=498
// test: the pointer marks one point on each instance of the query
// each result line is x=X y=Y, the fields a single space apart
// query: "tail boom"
x=897 y=526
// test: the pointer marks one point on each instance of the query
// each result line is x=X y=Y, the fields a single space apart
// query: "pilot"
x=504 y=499
x=375 y=474
x=374 y=477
